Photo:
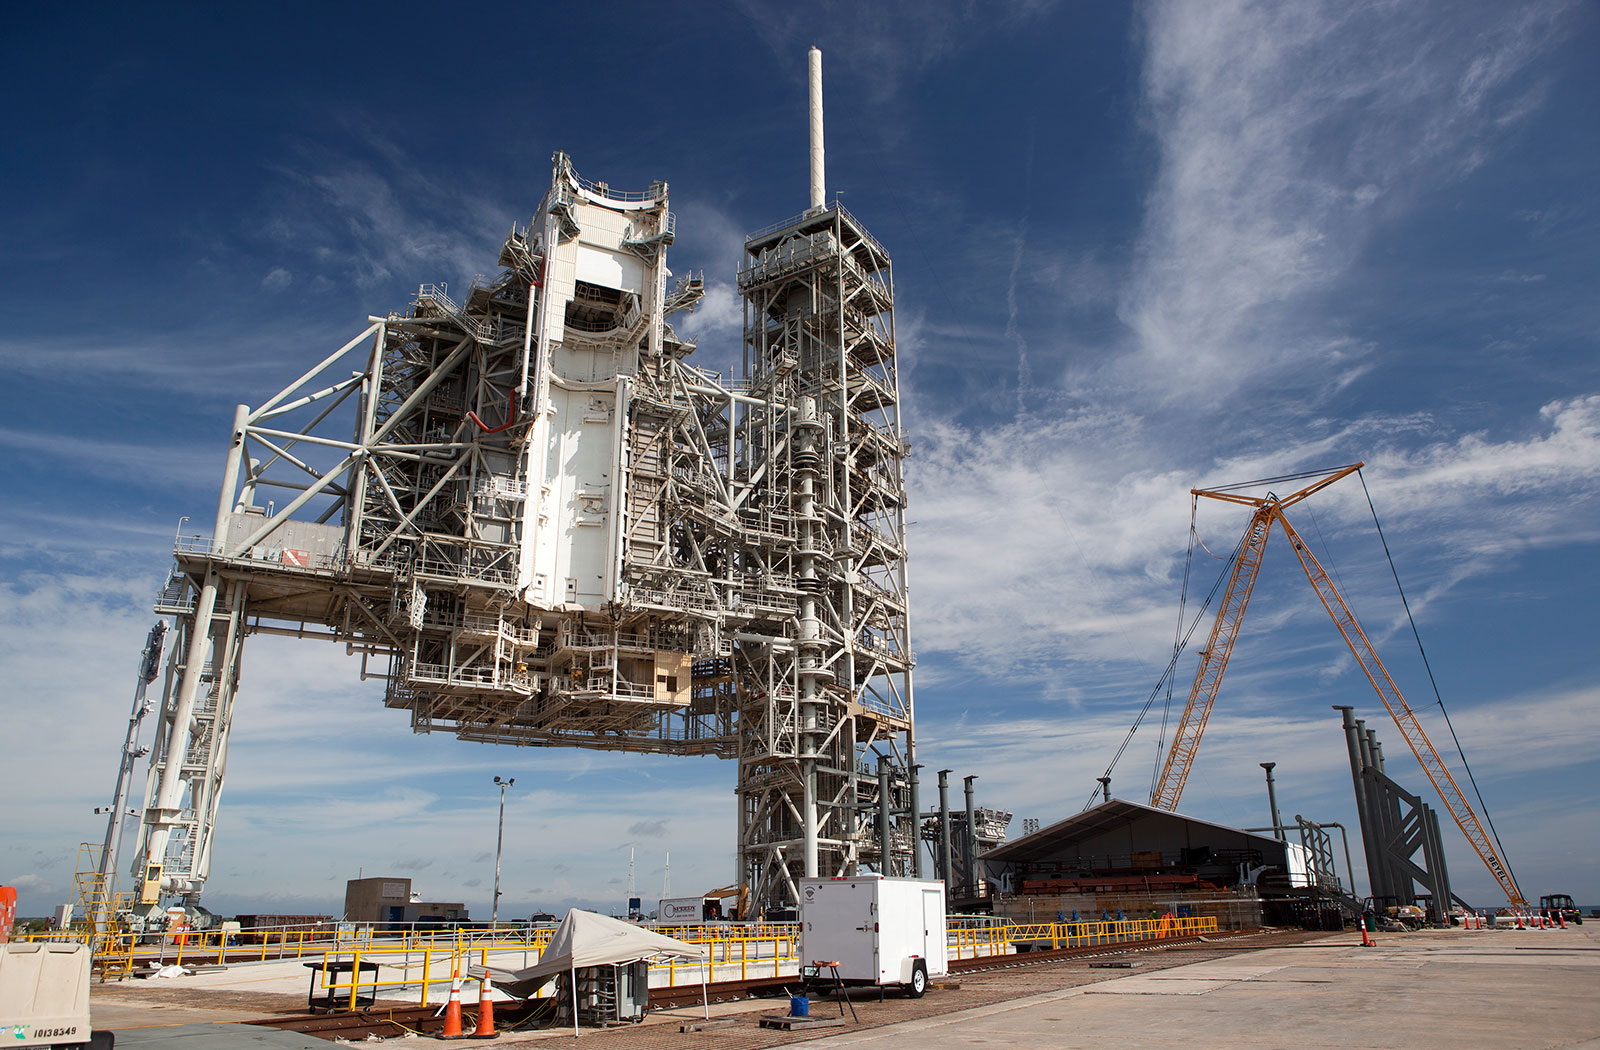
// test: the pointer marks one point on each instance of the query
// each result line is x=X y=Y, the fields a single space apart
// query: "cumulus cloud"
x=716 y=327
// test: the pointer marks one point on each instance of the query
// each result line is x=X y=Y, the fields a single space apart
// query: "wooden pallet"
x=795 y=1024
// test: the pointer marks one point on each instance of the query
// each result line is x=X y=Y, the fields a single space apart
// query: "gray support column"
x=1401 y=884
x=1438 y=871
x=1378 y=867
x=944 y=830
x=1442 y=878
x=885 y=819
x=971 y=874
x=918 y=869
x=1362 y=820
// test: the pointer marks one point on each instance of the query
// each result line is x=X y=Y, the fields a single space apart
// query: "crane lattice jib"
x=1432 y=764
x=1213 y=662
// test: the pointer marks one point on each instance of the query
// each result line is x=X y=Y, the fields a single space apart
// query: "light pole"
x=499 y=837
x=1272 y=804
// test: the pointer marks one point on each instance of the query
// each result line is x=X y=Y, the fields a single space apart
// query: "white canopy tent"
x=585 y=939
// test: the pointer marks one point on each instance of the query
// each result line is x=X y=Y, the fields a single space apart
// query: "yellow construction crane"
x=1219 y=647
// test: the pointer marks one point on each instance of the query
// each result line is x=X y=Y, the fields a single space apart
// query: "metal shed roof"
x=1104 y=817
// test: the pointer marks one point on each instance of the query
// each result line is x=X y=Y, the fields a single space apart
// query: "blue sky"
x=1137 y=249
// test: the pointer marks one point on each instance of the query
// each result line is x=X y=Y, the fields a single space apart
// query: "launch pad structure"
x=539 y=524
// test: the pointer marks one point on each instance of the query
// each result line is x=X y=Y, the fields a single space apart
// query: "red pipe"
x=511 y=418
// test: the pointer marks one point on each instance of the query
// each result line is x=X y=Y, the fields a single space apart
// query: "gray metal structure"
x=1395 y=825
x=538 y=524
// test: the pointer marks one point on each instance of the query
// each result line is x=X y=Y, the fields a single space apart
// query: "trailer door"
x=935 y=940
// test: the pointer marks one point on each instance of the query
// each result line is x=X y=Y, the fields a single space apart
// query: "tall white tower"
x=539 y=524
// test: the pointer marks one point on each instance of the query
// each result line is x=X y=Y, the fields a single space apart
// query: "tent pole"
x=574 y=1001
x=705 y=1000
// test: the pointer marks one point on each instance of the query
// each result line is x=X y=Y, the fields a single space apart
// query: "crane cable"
x=1173 y=663
x=1177 y=640
x=1504 y=860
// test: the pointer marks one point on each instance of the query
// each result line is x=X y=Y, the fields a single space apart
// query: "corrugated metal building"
x=1122 y=856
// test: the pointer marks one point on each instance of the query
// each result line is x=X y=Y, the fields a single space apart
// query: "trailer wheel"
x=919 y=980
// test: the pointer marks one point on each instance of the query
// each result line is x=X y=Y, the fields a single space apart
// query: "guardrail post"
x=355 y=977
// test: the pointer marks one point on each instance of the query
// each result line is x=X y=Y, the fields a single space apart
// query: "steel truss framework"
x=538 y=524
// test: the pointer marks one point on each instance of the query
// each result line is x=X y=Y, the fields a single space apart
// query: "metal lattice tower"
x=538 y=524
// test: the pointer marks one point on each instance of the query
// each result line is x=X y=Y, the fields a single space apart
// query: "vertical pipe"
x=1105 y=788
x=918 y=869
x=809 y=811
x=1377 y=867
x=818 y=183
x=1362 y=817
x=885 y=818
x=1401 y=886
x=1272 y=803
x=944 y=830
x=970 y=876
x=810 y=643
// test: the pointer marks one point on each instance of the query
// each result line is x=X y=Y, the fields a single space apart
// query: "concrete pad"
x=217 y=1037
x=1480 y=992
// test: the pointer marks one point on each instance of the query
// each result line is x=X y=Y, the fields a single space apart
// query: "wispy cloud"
x=371 y=214
x=1083 y=517
x=155 y=465
x=1287 y=134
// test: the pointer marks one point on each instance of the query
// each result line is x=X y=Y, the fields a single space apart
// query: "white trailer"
x=880 y=931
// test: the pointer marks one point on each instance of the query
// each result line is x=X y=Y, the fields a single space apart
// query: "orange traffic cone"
x=485 y=1029
x=1561 y=917
x=452 y=1011
x=1519 y=920
x=1366 y=938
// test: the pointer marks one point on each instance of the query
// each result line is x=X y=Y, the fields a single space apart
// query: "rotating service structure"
x=538 y=524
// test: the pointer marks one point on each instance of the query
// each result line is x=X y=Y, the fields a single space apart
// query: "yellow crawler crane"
x=1269 y=509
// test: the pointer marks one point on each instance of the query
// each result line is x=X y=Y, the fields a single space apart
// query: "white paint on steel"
x=818 y=182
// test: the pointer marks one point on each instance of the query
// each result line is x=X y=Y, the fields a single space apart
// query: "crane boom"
x=1213 y=662
x=1416 y=737
x=1219 y=648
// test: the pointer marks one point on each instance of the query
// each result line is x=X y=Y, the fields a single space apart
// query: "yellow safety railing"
x=759 y=951
x=416 y=959
x=1002 y=940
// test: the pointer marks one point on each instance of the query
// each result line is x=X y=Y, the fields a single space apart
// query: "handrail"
x=427 y=956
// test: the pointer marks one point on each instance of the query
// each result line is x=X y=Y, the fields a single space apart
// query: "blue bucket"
x=799 y=1006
